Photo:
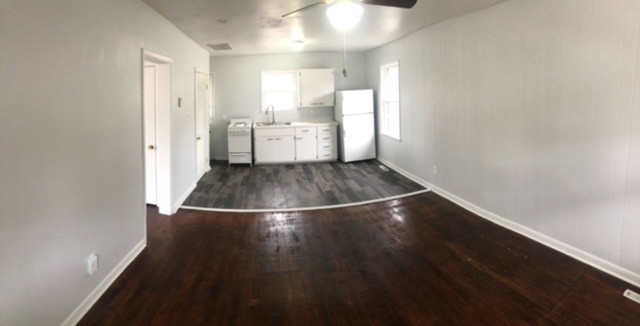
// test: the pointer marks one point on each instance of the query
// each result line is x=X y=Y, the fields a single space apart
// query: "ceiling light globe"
x=297 y=45
x=344 y=15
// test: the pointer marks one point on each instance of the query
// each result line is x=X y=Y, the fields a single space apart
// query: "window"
x=390 y=100
x=279 y=90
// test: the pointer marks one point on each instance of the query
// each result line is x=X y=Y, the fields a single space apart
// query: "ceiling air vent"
x=220 y=46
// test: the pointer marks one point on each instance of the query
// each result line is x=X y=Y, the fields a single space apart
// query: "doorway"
x=201 y=127
x=149 y=107
x=156 y=89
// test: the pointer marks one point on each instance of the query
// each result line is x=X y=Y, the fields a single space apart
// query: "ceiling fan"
x=345 y=14
x=388 y=3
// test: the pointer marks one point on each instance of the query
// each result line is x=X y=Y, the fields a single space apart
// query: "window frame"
x=293 y=90
x=384 y=115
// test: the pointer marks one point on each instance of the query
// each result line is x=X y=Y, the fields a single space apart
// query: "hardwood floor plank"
x=419 y=260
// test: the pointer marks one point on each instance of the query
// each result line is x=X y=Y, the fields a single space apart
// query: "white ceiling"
x=256 y=26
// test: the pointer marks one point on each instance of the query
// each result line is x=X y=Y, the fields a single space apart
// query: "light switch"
x=92 y=264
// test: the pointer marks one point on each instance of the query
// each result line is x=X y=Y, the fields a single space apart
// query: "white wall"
x=238 y=88
x=530 y=110
x=71 y=152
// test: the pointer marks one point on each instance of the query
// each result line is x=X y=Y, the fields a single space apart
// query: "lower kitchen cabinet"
x=306 y=144
x=274 y=149
x=295 y=144
x=306 y=148
x=327 y=143
x=274 y=145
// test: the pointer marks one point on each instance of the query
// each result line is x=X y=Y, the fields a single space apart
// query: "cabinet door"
x=316 y=87
x=275 y=149
x=306 y=148
x=325 y=86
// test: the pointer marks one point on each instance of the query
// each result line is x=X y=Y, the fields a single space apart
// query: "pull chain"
x=344 y=54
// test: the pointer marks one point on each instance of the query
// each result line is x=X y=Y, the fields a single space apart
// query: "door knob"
x=151 y=147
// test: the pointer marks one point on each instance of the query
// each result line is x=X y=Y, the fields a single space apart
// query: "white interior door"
x=211 y=104
x=150 y=133
x=201 y=124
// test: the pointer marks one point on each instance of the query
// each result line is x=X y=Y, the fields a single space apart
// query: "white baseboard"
x=583 y=256
x=410 y=176
x=90 y=300
x=182 y=198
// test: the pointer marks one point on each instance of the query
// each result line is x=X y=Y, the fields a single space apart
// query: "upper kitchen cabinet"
x=316 y=88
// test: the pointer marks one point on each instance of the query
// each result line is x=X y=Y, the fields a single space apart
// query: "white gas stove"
x=239 y=141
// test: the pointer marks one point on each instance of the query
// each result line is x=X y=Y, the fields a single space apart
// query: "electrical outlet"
x=632 y=295
x=92 y=264
x=435 y=169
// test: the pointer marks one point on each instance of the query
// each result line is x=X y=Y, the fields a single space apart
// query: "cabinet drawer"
x=330 y=155
x=326 y=137
x=273 y=132
x=326 y=146
x=240 y=158
x=301 y=131
x=326 y=129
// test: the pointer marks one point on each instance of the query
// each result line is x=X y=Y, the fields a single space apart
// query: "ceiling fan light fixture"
x=297 y=45
x=344 y=15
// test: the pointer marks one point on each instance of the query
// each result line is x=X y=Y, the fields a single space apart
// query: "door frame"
x=163 y=129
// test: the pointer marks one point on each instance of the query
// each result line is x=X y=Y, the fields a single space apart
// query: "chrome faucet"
x=273 y=114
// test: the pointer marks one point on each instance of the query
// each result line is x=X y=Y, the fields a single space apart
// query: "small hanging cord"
x=344 y=54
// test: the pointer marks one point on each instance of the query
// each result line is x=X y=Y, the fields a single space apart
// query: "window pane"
x=281 y=101
x=394 y=119
x=279 y=90
x=390 y=100
x=393 y=84
x=278 y=81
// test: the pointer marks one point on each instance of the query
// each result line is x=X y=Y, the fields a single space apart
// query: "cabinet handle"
x=326 y=146
x=306 y=130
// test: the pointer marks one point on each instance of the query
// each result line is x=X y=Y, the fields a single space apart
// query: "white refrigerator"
x=354 y=114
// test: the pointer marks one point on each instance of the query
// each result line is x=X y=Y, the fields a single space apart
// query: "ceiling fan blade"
x=392 y=3
x=308 y=7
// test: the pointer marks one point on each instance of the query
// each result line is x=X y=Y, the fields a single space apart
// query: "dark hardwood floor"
x=419 y=260
x=296 y=185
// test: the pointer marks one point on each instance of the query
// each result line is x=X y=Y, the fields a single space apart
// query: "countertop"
x=294 y=124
